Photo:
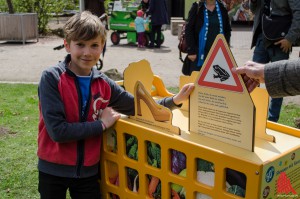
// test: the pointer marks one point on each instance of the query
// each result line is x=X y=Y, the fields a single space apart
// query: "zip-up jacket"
x=69 y=142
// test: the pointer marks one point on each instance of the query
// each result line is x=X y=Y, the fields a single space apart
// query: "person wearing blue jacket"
x=140 y=22
x=159 y=16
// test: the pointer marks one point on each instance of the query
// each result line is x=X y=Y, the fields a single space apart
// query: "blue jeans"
x=271 y=54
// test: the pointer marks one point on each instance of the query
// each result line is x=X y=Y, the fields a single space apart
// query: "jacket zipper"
x=83 y=118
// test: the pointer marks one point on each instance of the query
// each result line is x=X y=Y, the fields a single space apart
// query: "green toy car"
x=122 y=25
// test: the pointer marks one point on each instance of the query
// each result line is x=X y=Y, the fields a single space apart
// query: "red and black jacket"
x=69 y=142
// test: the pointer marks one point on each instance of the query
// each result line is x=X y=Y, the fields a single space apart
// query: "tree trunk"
x=10 y=7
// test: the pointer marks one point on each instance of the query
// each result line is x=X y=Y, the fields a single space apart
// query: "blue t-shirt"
x=84 y=84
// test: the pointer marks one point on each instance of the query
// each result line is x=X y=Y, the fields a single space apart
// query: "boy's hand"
x=184 y=93
x=109 y=116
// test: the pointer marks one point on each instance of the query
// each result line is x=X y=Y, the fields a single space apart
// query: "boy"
x=77 y=103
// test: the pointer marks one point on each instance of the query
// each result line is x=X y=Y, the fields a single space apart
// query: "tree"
x=10 y=6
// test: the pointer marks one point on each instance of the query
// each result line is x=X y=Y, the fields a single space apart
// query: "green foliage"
x=44 y=9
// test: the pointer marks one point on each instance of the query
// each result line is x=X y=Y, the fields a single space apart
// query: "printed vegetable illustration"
x=154 y=158
x=152 y=186
x=236 y=190
x=135 y=189
x=207 y=178
x=132 y=147
x=235 y=181
x=178 y=161
x=132 y=152
x=177 y=187
x=174 y=194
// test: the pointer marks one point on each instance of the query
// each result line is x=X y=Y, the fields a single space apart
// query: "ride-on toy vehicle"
x=122 y=25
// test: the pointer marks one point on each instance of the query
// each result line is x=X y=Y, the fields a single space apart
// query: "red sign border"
x=220 y=44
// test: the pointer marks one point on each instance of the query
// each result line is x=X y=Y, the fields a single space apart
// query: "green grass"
x=288 y=114
x=18 y=135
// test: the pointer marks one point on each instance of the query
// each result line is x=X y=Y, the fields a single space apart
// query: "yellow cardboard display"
x=271 y=170
x=220 y=106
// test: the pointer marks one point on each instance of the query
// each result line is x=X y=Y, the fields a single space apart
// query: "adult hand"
x=252 y=74
x=184 y=93
x=109 y=116
x=192 y=57
x=285 y=45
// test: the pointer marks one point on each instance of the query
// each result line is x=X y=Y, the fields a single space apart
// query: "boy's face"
x=84 y=55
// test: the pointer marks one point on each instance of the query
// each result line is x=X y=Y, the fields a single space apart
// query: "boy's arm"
x=53 y=113
x=177 y=100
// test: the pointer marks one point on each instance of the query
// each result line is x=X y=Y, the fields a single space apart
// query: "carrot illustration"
x=174 y=194
x=152 y=185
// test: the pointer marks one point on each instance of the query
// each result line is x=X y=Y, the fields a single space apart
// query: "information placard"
x=220 y=106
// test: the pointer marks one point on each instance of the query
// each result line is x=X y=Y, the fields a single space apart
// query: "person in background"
x=205 y=21
x=159 y=16
x=281 y=77
x=96 y=7
x=77 y=103
x=140 y=22
x=269 y=51
x=144 y=6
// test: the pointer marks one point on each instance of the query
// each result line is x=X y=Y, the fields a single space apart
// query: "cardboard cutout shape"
x=149 y=112
x=220 y=106
x=138 y=71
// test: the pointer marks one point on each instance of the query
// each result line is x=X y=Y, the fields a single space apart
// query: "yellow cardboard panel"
x=220 y=106
x=149 y=112
x=138 y=71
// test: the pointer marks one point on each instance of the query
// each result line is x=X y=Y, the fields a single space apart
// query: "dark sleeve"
x=282 y=78
x=190 y=30
x=226 y=23
x=294 y=31
x=151 y=7
x=253 y=4
x=123 y=102
x=120 y=100
x=53 y=113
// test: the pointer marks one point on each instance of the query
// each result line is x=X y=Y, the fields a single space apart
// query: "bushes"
x=43 y=8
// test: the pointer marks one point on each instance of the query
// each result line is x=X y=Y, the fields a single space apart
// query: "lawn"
x=18 y=134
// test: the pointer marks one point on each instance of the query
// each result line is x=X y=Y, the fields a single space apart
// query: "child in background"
x=77 y=103
x=140 y=22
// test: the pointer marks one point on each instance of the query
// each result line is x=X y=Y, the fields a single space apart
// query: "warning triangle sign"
x=216 y=70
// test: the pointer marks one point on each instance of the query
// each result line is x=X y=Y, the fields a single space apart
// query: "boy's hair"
x=84 y=26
